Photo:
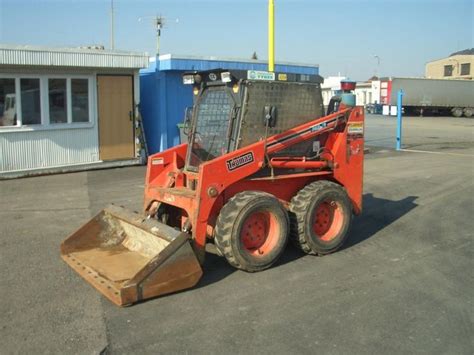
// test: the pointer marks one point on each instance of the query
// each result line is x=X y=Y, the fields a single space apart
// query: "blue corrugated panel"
x=195 y=64
x=149 y=109
x=164 y=98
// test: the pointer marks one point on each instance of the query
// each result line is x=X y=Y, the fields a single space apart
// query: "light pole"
x=271 y=36
x=378 y=65
x=399 y=118
x=112 y=25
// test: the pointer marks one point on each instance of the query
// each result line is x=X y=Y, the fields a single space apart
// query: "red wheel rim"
x=327 y=222
x=259 y=233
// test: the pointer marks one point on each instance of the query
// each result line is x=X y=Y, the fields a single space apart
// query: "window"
x=80 y=100
x=448 y=70
x=39 y=101
x=7 y=103
x=212 y=123
x=57 y=91
x=30 y=101
x=465 y=68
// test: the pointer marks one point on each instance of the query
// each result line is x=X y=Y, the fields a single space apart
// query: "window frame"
x=68 y=94
x=44 y=102
x=17 y=94
x=19 y=99
x=468 y=65
x=69 y=99
x=446 y=66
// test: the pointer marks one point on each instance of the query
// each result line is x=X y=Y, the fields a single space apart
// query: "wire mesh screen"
x=210 y=138
x=296 y=104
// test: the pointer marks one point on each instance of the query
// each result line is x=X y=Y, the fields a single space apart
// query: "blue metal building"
x=164 y=98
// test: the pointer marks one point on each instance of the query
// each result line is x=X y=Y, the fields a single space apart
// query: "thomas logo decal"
x=240 y=161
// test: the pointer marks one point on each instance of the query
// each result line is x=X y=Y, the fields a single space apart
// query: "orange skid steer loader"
x=263 y=164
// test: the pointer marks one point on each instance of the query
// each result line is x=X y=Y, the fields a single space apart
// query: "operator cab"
x=233 y=109
x=216 y=99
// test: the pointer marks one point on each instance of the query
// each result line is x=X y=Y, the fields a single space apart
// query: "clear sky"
x=341 y=36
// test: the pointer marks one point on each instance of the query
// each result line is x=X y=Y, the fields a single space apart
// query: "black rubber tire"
x=302 y=211
x=457 y=112
x=468 y=112
x=229 y=224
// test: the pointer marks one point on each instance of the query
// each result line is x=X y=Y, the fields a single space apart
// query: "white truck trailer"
x=428 y=96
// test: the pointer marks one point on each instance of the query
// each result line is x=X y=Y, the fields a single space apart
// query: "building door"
x=115 y=100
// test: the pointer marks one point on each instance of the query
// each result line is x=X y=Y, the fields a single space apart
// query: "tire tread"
x=299 y=205
x=225 y=224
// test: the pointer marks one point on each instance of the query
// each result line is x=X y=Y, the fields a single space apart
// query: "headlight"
x=225 y=77
x=188 y=79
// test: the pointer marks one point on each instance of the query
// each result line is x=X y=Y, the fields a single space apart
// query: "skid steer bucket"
x=129 y=259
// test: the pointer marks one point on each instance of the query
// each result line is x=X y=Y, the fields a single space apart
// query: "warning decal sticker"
x=355 y=128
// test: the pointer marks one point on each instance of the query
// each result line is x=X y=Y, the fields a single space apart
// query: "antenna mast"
x=159 y=22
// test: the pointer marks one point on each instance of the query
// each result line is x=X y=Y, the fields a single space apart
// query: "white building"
x=367 y=92
x=66 y=109
x=331 y=87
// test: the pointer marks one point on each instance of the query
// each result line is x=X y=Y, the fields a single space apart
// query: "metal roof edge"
x=70 y=57
x=422 y=78
x=448 y=57
x=230 y=59
x=72 y=50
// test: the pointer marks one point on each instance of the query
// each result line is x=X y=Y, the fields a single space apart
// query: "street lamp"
x=112 y=25
x=378 y=65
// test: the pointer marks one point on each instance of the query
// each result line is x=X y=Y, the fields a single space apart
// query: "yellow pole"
x=271 y=36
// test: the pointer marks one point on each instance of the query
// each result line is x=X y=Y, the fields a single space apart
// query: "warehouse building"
x=459 y=65
x=164 y=98
x=67 y=109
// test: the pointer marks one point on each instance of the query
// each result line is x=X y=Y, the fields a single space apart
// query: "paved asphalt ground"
x=421 y=133
x=403 y=283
